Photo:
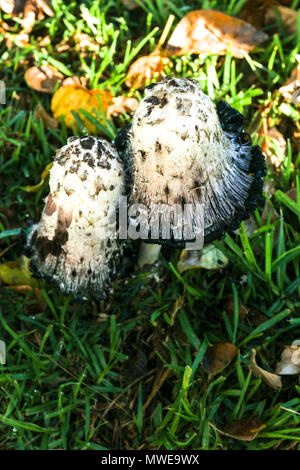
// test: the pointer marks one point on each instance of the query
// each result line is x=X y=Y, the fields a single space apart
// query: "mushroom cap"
x=74 y=243
x=184 y=151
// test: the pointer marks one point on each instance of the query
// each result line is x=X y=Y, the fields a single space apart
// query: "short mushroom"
x=75 y=242
x=184 y=152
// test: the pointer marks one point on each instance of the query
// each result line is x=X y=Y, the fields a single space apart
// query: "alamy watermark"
x=158 y=221
x=295 y=359
x=2 y=92
x=2 y=352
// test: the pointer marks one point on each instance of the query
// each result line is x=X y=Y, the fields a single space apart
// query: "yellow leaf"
x=72 y=97
x=17 y=273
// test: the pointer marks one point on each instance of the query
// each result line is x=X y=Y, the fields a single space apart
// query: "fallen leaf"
x=213 y=32
x=275 y=147
x=256 y=318
x=79 y=81
x=36 y=295
x=292 y=194
x=291 y=89
x=17 y=273
x=72 y=97
x=245 y=429
x=254 y=11
x=273 y=380
x=287 y=15
x=49 y=121
x=12 y=7
x=43 y=78
x=32 y=9
x=84 y=42
x=207 y=258
x=290 y=360
x=218 y=356
x=121 y=105
x=130 y=4
x=144 y=69
x=229 y=307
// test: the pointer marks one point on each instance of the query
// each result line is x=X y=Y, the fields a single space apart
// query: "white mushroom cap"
x=72 y=244
x=185 y=151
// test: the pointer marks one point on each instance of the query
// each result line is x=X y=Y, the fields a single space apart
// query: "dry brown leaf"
x=254 y=11
x=144 y=69
x=72 y=97
x=256 y=318
x=292 y=194
x=43 y=78
x=287 y=15
x=37 y=295
x=291 y=89
x=275 y=141
x=290 y=360
x=31 y=9
x=130 y=4
x=218 y=356
x=121 y=105
x=79 y=81
x=49 y=121
x=84 y=42
x=12 y=7
x=273 y=380
x=245 y=429
x=229 y=307
x=213 y=32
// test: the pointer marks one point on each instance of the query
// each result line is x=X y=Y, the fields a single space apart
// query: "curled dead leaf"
x=245 y=429
x=36 y=294
x=291 y=89
x=43 y=78
x=17 y=273
x=229 y=307
x=275 y=147
x=290 y=360
x=32 y=9
x=213 y=32
x=130 y=4
x=72 y=97
x=209 y=257
x=49 y=121
x=273 y=380
x=287 y=16
x=12 y=7
x=144 y=69
x=292 y=193
x=121 y=105
x=218 y=356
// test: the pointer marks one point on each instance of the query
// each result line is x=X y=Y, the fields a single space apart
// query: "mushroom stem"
x=148 y=254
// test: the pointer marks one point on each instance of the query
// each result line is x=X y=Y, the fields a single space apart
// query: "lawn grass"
x=127 y=373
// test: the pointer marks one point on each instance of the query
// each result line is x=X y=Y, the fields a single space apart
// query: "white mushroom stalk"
x=186 y=153
x=75 y=243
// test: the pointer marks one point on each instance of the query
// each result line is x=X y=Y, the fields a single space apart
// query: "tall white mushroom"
x=184 y=152
x=75 y=243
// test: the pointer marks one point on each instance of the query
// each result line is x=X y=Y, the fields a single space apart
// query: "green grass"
x=79 y=374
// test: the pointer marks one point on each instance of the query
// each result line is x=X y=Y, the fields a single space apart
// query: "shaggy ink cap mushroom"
x=184 y=151
x=73 y=244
